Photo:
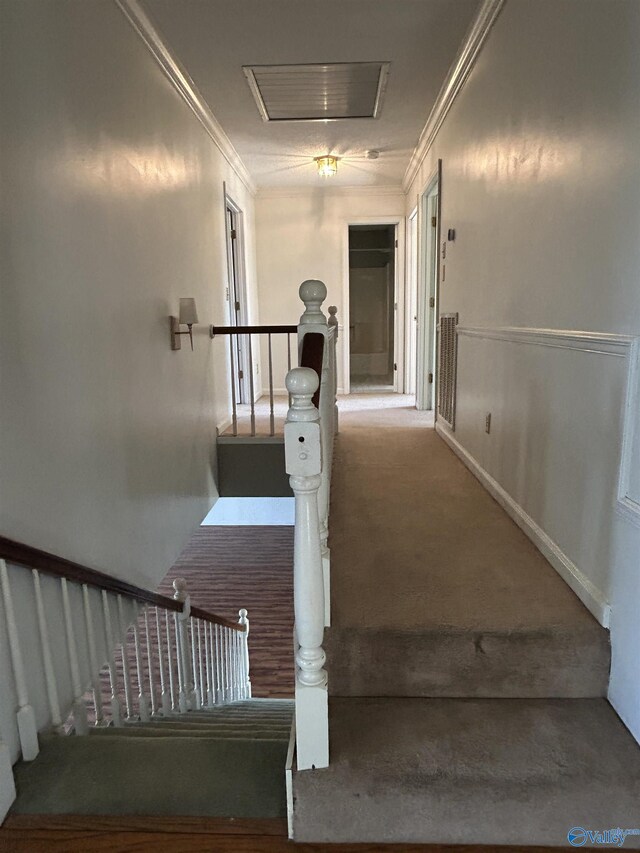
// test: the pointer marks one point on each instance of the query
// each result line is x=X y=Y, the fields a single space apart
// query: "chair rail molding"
x=184 y=86
x=456 y=77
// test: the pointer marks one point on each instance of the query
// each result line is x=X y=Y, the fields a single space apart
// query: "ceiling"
x=214 y=39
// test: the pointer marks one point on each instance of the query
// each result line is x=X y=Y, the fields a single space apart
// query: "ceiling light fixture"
x=327 y=165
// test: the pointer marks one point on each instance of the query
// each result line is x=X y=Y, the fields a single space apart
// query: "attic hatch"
x=331 y=91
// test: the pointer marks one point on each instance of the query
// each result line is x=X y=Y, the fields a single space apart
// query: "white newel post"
x=303 y=457
x=186 y=697
x=313 y=293
x=244 y=620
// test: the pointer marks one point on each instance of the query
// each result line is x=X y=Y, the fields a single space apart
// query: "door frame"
x=411 y=304
x=398 y=297
x=240 y=280
x=428 y=286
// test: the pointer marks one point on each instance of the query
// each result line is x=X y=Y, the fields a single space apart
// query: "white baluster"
x=126 y=669
x=244 y=620
x=209 y=663
x=235 y=687
x=150 y=664
x=116 y=707
x=79 y=709
x=333 y=322
x=165 y=694
x=25 y=717
x=49 y=671
x=201 y=698
x=228 y=663
x=93 y=656
x=7 y=783
x=303 y=461
x=172 y=686
x=183 y=705
x=197 y=686
x=182 y=618
x=143 y=702
x=217 y=656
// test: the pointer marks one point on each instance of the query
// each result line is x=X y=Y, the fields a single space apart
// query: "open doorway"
x=236 y=295
x=428 y=272
x=372 y=285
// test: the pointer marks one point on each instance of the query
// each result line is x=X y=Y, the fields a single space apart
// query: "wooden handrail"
x=252 y=330
x=50 y=564
x=311 y=356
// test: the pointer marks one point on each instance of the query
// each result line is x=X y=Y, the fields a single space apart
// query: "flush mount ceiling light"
x=327 y=165
x=327 y=92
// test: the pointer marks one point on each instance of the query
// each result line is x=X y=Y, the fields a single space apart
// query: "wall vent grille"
x=448 y=369
x=324 y=92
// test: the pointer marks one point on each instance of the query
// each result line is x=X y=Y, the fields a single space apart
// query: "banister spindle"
x=271 y=417
x=150 y=664
x=45 y=643
x=79 y=711
x=172 y=683
x=201 y=682
x=232 y=363
x=197 y=688
x=143 y=702
x=333 y=323
x=165 y=693
x=124 y=652
x=217 y=656
x=184 y=676
x=96 y=685
x=116 y=707
x=303 y=462
x=244 y=620
x=251 y=388
x=208 y=662
x=25 y=716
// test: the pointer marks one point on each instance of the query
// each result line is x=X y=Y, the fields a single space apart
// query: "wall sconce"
x=187 y=316
x=327 y=165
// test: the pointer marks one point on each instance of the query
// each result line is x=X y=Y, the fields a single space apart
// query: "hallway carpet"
x=434 y=590
x=227 y=568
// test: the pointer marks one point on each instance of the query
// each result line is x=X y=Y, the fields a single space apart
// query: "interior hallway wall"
x=112 y=209
x=304 y=234
x=541 y=181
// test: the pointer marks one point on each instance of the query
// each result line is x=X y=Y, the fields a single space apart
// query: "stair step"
x=120 y=775
x=213 y=733
x=462 y=771
x=553 y=662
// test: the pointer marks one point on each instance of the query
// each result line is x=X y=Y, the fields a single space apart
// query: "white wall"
x=112 y=210
x=304 y=234
x=541 y=180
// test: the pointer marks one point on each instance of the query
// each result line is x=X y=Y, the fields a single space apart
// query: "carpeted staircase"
x=467 y=682
x=227 y=761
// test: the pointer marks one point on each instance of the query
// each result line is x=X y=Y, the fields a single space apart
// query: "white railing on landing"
x=66 y=627
x=312 y=423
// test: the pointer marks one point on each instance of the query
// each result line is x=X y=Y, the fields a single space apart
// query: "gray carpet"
x=481 y=771
x=434 y=590
x=225 y=763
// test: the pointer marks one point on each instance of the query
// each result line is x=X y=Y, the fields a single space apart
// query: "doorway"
x=428 y=269
x=372 y=286
x=236 y=295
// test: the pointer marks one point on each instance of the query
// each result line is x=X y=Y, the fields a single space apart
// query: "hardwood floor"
x=87 y=834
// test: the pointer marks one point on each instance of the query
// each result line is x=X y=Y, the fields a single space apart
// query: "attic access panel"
x=325 y=92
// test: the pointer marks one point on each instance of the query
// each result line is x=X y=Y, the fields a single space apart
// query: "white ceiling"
x=213 y=39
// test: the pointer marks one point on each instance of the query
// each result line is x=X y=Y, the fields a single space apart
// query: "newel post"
x=303 y=458
x=185 y=678
x=244 y=639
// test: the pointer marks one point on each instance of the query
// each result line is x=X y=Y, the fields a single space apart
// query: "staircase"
x=227 y=761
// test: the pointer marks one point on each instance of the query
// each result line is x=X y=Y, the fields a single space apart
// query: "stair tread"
x=182 y=731
x=494 y=771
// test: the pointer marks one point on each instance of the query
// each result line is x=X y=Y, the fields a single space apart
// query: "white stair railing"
x=74 y=636
x=309 y=436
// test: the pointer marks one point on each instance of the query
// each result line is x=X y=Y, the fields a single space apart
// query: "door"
x=236 y=297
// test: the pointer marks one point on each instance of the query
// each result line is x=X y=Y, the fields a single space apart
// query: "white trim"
x=456 y=77
x=288 y=776
x=297 y=192
x=598 y=342
x=592 y=597
x=184 y=86
x=626 y=505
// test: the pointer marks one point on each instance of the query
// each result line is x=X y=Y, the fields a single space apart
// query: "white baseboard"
x=588 y=593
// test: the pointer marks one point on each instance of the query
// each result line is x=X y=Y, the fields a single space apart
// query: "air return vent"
x=448 y=367
x=318 y=92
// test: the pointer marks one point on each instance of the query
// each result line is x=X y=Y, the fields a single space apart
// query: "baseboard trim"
x=588 y=593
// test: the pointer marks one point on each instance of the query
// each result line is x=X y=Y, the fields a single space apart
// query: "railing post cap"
x=180 y=587
x=333 y=310
x=313 y=290
x=302 y=382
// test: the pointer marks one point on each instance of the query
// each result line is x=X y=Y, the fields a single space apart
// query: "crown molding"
x=184 y=86
x=298 y=192
x=455 y=80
